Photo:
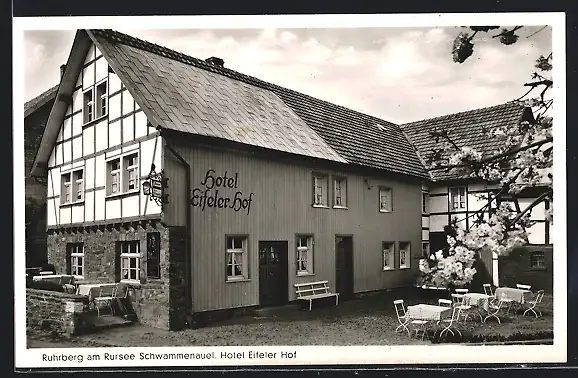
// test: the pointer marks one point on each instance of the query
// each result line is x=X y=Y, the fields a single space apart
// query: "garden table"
x=90 y=290
x=479 y=300
x=513 y=294
x=56 y=278
x=428 y=312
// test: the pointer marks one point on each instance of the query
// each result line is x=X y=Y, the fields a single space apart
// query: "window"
x=88 y=106
x=404 y=254
x=101 y=96
x=72 y=190
x=320 y=190
x=123 y=174
x=131 y=164
x=130 y=260
x=385 y=200
x=425 y=249
x=95 y=102
x=537 y=260
x=153 y=255
x=75 y=259
x=304 y=254
x=424 y=202
x=237 y=258
x=458 y=198
x=340 y=192
x=388 y=250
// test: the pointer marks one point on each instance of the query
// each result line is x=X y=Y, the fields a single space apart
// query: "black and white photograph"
x=289 y=190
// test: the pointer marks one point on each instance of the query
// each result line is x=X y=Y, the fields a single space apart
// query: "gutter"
x=188 y=263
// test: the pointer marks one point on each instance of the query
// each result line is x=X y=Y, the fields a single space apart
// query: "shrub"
x=45 y=285
x=468 y=337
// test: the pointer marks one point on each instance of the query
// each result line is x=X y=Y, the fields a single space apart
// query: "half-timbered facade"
x=206 y=189
x=449 y=198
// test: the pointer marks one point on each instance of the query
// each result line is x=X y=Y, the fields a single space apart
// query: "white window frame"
x=342 y=182
x=75 y=254
x=233 y=251
x=388 y=255
x=324 y=190
x=101 y=99
x=425 y=249
x=380 y=191
x=128 y=255
x=459 y=192
x=306 y=250
x=405 y=252
x=123 y=173
x=70 y=184
x=128 y=169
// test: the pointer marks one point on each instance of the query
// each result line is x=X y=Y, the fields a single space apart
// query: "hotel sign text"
x=213 y=193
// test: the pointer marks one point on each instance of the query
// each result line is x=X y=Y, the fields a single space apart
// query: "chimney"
x=62 y=69
x=215 y=61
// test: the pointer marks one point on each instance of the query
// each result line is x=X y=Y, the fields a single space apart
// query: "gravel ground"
x=367 y=321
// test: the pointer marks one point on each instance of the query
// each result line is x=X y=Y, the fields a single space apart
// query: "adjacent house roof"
x=38 y=101
x=183 y=93
x=469 y=128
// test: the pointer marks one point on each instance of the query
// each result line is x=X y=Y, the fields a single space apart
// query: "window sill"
x=387 y=269
x=305 y=274
x=96 y=120
x=385 y=211
x=131 y=283
x=538 y=268
x=69 y=204
x=340 y=207
x=122 y=194
x=404 y=267
x=234 y=280
x=320 y=206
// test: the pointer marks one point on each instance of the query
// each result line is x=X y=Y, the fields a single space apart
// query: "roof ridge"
x=445 y=116
x=154 y=48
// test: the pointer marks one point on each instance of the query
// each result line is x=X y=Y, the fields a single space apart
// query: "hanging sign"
x=154 y=185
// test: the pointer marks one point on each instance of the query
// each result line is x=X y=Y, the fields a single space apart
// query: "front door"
x=344 y=267
x=273 y=280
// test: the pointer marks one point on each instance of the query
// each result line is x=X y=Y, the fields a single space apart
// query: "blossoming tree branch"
x=523 y=159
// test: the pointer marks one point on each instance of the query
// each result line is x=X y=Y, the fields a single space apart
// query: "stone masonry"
x=158 y=302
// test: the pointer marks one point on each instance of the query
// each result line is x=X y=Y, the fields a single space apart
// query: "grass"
x=367 y=321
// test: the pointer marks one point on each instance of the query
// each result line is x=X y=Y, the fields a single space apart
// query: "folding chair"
x=462 y=291
x=105 y=294
x=458 y=301
x=455 y=317
x=523 y=287
x=535 y=302
x=444 y=302
x=419 y=325
x=488 y=289
x=493 y=310
x=401 y=316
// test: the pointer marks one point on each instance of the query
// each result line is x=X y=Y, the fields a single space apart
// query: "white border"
x=305 y=354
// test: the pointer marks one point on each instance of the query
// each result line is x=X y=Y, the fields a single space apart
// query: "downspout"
x=188 y=252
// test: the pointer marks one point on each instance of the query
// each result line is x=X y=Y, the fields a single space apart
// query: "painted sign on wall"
x=215 y=192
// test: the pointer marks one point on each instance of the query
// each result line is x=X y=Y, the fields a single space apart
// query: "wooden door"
x=344 y=267
x=273 y=275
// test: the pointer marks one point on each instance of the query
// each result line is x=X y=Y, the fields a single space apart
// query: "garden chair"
x=455 y=317
x=535 y=302
x=462 y=291
x=401 y=316
x=444 y=302
x=419 y=325
x=523 y=287
x=488 y=289
x=458 y=301
x=494 y=309
x=105 y=294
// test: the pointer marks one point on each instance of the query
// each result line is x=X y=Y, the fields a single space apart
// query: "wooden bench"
x=309 y=291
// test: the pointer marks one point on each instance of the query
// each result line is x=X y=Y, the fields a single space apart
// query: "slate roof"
x=40 y=100
x=190 y=95
x=469 y=128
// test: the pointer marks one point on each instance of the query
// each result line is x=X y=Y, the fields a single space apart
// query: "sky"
x=396 y=74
